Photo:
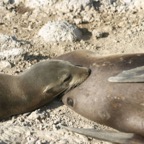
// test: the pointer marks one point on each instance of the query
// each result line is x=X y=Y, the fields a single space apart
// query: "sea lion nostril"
x=70 y=101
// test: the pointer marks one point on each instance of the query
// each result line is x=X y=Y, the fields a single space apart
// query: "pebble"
x=4 y=65
x=73 y=5
x=39 y=3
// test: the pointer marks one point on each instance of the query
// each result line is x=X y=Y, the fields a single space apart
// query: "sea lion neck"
x=9 y=81
x=29 y=83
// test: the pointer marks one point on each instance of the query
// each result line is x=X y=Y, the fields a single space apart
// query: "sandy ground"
x=106 y=30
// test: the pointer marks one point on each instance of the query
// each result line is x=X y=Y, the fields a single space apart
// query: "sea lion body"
x=37 y=86
x=118 y=105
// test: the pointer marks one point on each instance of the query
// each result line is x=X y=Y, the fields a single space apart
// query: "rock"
x=111 y=1
x=138 y=4
x=6 y=54
x=78 y=21
x=31 y=3
x=99 y=34
x=73 y=5
x=39 y=3
x=33 y=115
x=12 y=49
x=59 y=31
x=4 y=65
x=127 y=1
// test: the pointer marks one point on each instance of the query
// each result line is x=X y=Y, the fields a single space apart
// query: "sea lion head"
x=53 y=77
x=63 y=76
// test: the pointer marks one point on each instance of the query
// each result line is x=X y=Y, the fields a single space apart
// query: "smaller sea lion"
x=118 y=105
x=38 y=86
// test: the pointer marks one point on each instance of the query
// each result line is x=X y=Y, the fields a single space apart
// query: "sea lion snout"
x=79 y=75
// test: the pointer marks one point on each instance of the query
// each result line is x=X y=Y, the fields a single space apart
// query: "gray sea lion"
x=118 y=105
x=37 y=86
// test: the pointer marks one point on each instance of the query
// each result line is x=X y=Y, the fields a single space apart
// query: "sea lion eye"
x=79 y=65
x=70 y=102
x=68 y=78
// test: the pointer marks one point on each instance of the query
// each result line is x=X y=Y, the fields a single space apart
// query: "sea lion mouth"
x=67 y=90
x=77 y=84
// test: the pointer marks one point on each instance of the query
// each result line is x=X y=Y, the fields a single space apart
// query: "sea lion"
x=38 y=85
x=118 y=105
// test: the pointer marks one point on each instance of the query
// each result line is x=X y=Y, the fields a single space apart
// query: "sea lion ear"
x=65 y=76
x=132 y=75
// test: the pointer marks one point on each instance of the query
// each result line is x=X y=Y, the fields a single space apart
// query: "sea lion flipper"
x=115 y=137
x=132 y=75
